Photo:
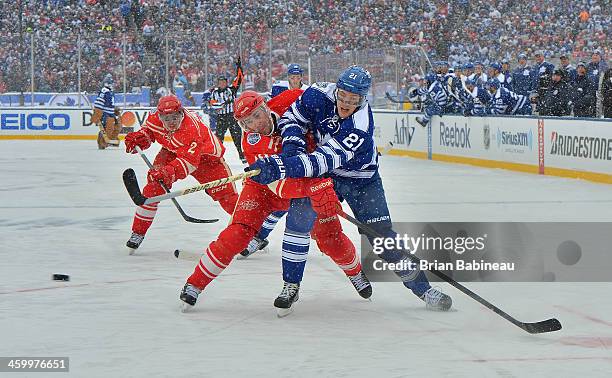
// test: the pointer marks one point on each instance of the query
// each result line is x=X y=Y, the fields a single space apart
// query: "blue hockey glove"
x=272 y=169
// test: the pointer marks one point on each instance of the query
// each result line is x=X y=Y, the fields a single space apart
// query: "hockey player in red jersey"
x=188 y=148
x=256 y=202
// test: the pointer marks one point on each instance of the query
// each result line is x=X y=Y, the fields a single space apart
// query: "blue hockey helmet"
x=356 y=80
x=108 y=80
x=294 y=69
x=493 y=83
x=496 y=66
x=430 y=78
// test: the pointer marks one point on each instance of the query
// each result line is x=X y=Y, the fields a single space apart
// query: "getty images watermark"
x=412 y=244
x=493 y=251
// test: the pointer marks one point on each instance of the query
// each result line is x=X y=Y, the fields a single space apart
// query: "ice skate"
x=254 y=245
x=436 y=300
x=287 y=297
x=189 y=297
x=362 y=285
x=134 y=242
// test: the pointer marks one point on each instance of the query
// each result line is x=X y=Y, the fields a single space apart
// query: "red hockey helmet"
x=170 y=111
x=253 y=114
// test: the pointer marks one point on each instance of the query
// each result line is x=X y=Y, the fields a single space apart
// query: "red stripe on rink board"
x=582 y=314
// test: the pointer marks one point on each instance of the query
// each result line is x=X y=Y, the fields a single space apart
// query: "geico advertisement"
x=36 y=121
x=62 y=121
x=585 y=145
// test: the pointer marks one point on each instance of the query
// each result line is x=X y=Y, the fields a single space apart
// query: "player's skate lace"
x=189 y=294
x=135 y=240
x=289 y=290
x=436 y=299
x=256 y=244
x=360 y=281
x=361 y=284
x=192 y=291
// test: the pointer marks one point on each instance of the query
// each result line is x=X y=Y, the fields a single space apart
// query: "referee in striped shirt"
x=222 y=97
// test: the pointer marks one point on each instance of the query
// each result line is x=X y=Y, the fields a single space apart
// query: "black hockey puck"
x=176 y=253
x=61 y=277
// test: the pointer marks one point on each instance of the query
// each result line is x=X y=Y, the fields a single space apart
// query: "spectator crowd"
x=205 y=36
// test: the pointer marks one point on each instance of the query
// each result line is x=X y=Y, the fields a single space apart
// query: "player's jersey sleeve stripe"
x=361 y=119
x=307 y=165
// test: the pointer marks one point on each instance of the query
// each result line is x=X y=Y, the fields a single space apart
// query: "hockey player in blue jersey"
x=479 y=75
x=105 y=115
x=504 y=101
x=294 y=80
x=435 y=99
x=475 y=99
x=523 y=77
x=495 y=72
x=210 y=109
x=342 y=122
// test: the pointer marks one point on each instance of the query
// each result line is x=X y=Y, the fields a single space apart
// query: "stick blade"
x=549 y=325
x=197 y=220
x=131 y=184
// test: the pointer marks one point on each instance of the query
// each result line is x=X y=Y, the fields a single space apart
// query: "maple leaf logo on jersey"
x=247 y=205
x=331 y=124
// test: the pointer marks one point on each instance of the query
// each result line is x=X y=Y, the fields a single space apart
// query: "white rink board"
x=589 y=148
x=56 y=123
x=518 y=143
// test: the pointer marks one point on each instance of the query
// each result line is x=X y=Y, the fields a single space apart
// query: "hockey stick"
x=187 y=255
x=549 y=325
x=396 y=101
x=131 y=184
x=174 y=201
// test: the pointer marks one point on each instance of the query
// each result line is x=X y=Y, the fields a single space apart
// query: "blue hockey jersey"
x=106 y=101
x=281 y=86
x=505 y=101
x=345 y=147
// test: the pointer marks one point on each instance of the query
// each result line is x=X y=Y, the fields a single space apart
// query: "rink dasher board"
x=541 y=145
x=65 y=123
x=557 y=146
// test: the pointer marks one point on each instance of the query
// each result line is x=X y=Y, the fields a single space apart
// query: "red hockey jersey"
x=192 y=141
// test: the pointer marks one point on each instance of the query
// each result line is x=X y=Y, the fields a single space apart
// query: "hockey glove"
x=272 y=169
x=165 y=175
x=134 y=139
x=323 y=198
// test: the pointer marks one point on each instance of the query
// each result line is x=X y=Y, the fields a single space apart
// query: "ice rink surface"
x=63 y=209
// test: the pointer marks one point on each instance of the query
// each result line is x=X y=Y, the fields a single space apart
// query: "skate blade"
x=185 y=307
x=131 y=251
x=282 y=312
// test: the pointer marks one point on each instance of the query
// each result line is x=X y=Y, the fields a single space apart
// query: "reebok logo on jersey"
x=322 y=185
x=327 y=220
x=247 y=205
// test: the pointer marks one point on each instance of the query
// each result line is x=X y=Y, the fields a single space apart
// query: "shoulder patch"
x=253 y=138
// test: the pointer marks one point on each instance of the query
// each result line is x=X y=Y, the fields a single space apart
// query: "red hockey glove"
x=134 y=139
x=323 y=198
x=165 y=174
